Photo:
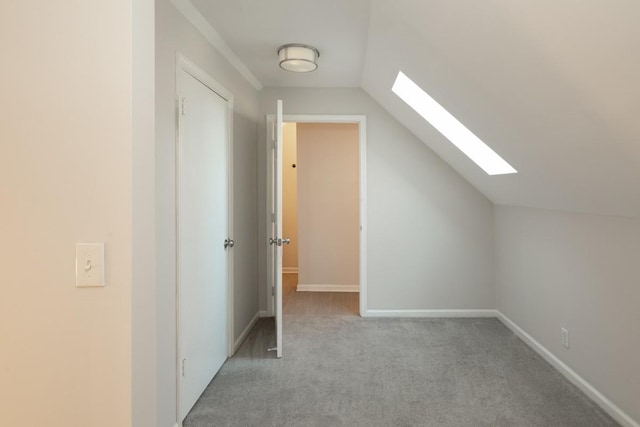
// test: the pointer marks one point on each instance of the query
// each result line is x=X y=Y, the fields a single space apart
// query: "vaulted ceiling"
x=551 y=86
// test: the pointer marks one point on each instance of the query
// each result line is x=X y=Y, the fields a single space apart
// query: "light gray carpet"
x=349 y=371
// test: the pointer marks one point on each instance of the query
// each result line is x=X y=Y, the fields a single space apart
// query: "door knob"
x=279 y=242
x=228 y=243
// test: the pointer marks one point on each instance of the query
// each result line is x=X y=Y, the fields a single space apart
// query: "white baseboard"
x=430 y=313
x=328 y=288
x=616 y=413
x=263 y=313
x=289 y=270
x=245 y=332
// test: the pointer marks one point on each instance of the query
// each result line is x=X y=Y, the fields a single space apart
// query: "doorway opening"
x=324 y=215
x=320 y=207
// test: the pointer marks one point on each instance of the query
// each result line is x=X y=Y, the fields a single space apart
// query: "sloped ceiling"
x=551 y=86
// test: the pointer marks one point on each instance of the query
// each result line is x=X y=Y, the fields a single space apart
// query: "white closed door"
x=203 y=227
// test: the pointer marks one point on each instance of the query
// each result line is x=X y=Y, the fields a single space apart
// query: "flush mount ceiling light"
x=298 y=58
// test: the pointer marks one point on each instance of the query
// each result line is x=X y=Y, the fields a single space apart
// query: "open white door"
x=276 y=241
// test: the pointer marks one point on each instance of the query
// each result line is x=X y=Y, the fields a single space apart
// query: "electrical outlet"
x=565 y=337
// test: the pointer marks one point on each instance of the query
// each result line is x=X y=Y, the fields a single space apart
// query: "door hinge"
x=273 y=291
x=183 y=106
x=183 y=363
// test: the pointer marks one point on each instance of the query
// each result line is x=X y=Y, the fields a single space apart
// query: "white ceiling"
x=254 y=29
x=551 y=86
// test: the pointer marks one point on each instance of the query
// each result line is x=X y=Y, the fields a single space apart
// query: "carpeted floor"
x=350 y=371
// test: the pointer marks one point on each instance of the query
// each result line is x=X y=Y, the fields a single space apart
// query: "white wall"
x=175 y=34
x=289 y=197
x=65 y=177
x=581 y=272
x=430 y=233
x=143 y=321
x=328 y=204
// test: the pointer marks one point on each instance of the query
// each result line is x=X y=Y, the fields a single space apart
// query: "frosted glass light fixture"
x=450 y=127
x=298 y=58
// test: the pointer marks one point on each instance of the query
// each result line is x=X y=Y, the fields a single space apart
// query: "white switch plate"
x=89 y=264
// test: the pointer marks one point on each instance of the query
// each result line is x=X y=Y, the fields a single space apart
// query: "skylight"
x=450 y=127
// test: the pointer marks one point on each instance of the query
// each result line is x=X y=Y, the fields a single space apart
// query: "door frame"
x=184 y=64
x=361 y=121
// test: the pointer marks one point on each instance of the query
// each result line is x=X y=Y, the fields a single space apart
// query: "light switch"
x=89 y=264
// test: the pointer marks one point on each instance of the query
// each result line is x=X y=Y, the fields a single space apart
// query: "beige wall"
x=289 y=198
x=65 y=177
x=328 y=199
